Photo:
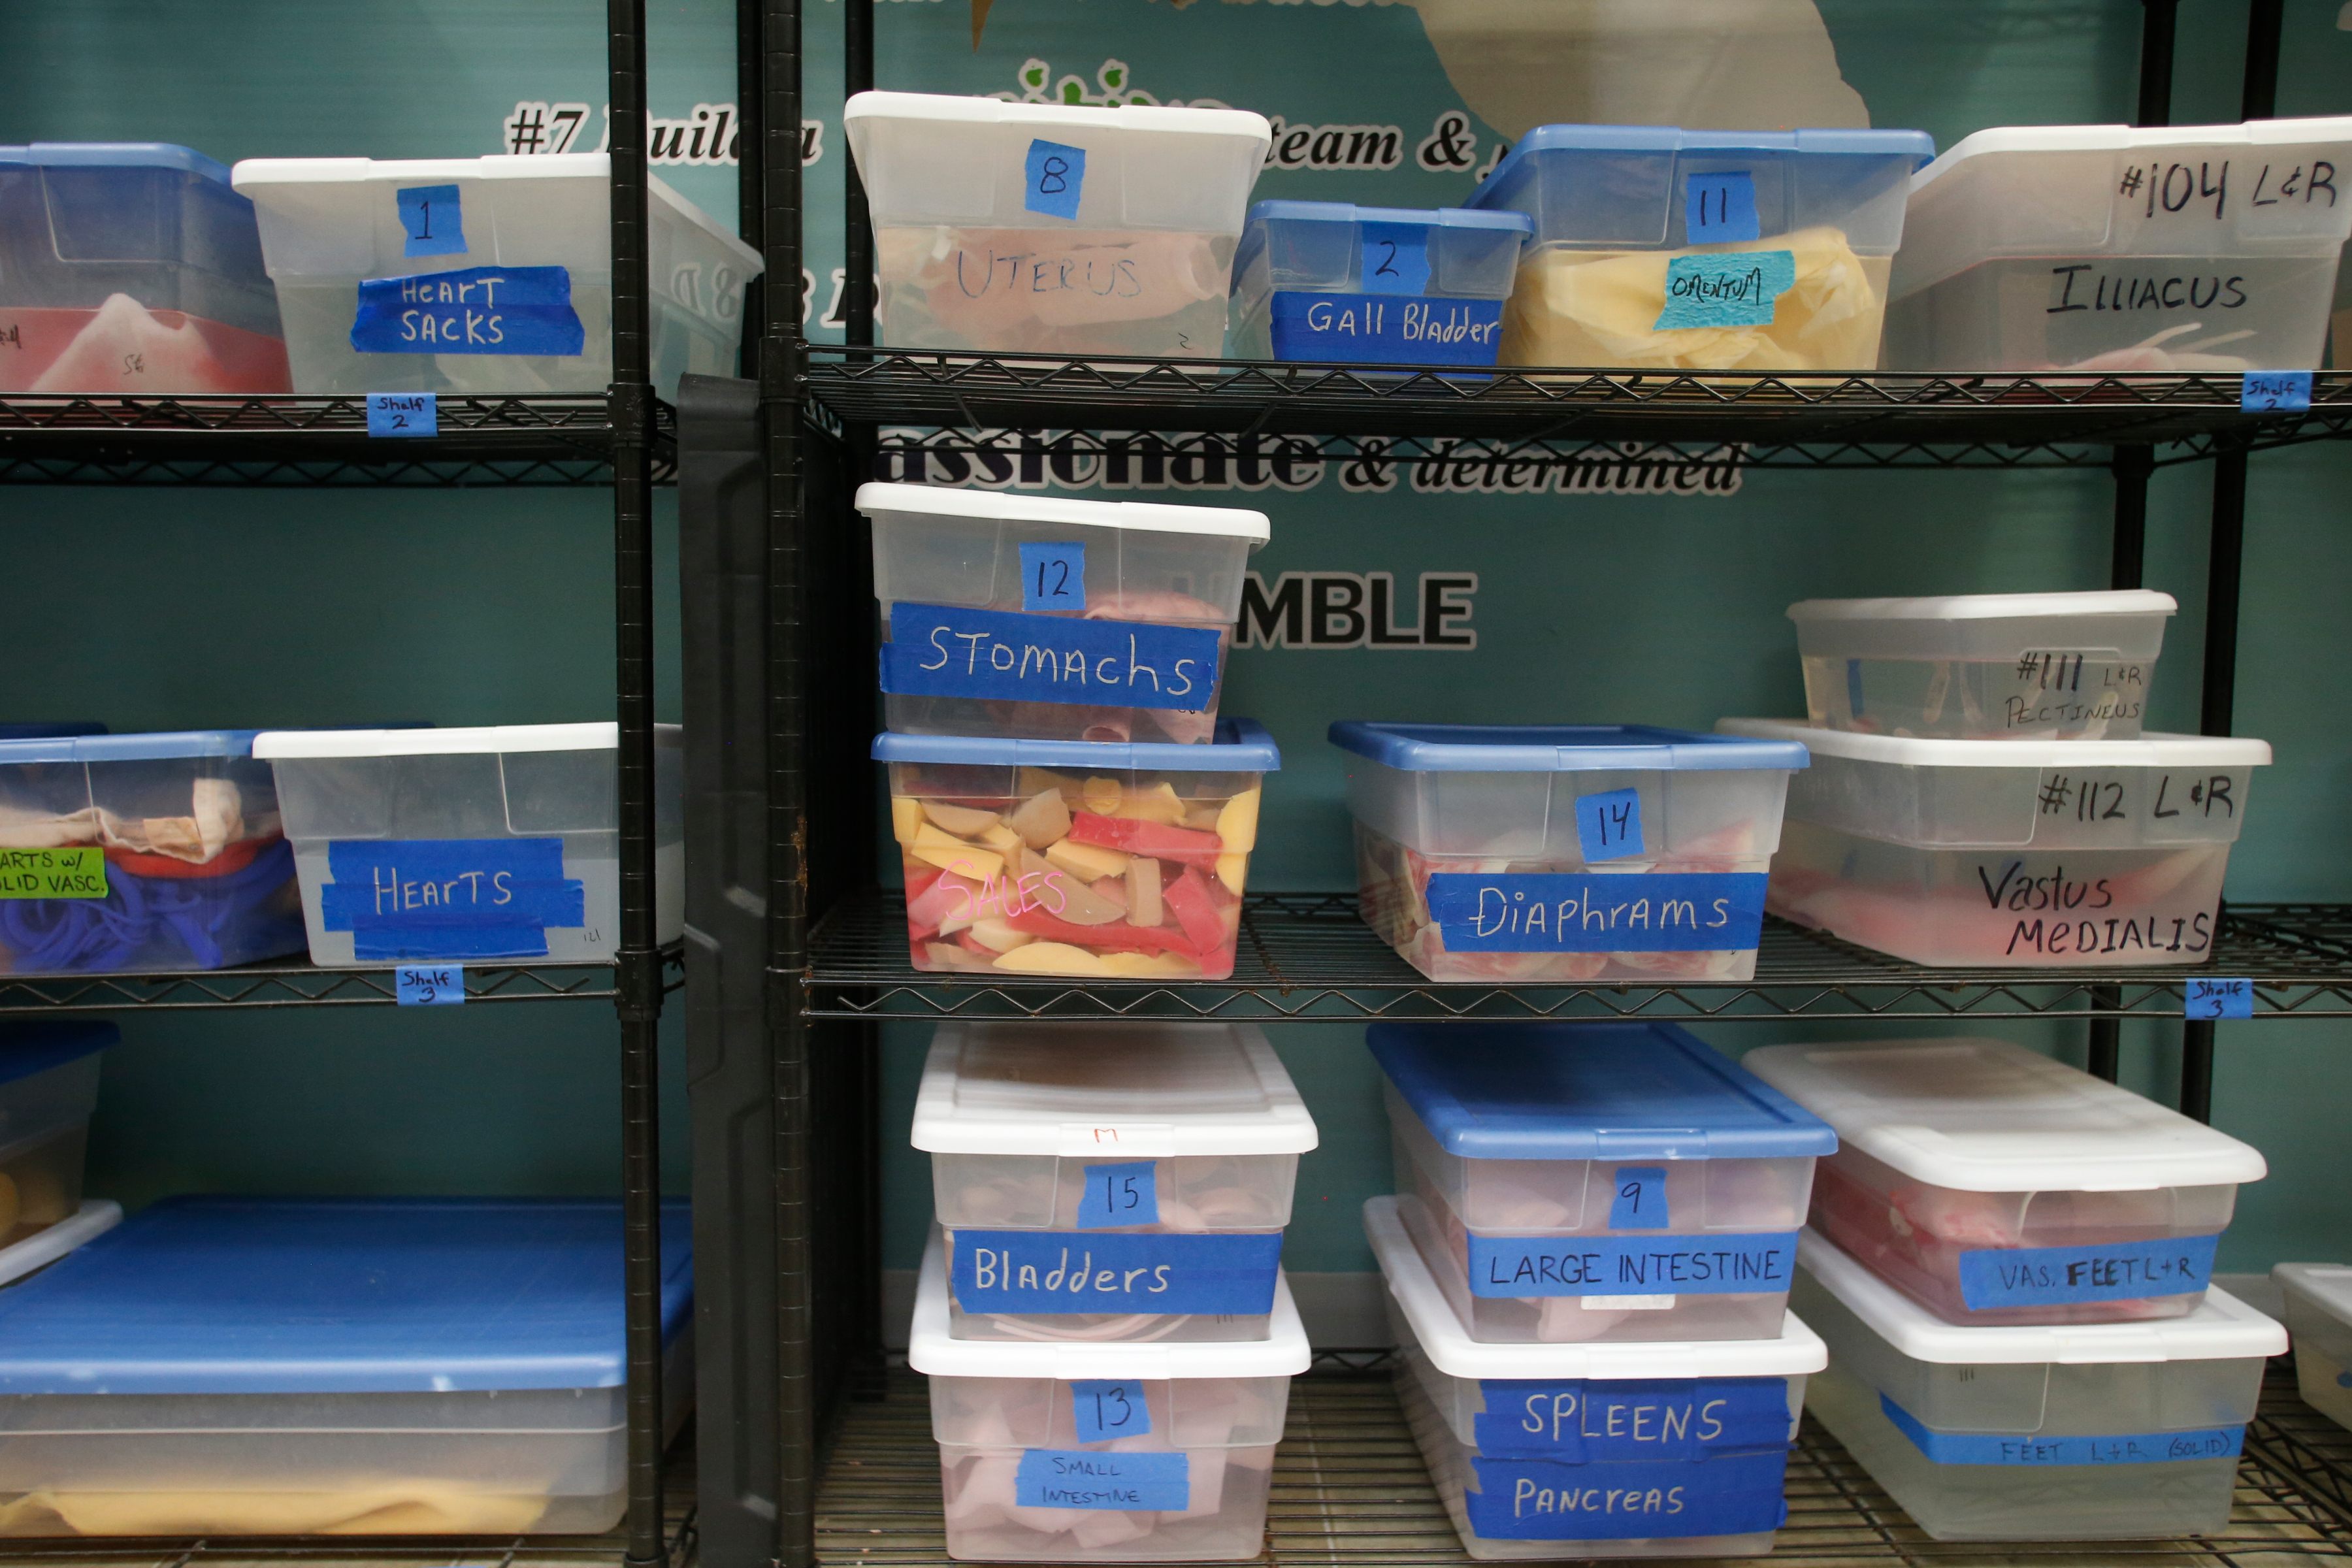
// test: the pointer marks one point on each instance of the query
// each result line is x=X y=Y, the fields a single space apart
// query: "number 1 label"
x=1105 y=1409
x=1122 y=1194
x=1054 y=576
x=432 y=221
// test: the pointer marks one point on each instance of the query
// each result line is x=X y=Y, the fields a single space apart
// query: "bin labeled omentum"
x=1576 y=1182
x=1111 y=1181
x=1330 y=281
x=1566 y=852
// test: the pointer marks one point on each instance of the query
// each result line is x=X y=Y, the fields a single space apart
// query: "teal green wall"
x=165 y=608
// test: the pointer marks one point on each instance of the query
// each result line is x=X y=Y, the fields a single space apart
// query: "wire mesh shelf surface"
x=297 y=984
x=1308 y=955
x=1350 y=1489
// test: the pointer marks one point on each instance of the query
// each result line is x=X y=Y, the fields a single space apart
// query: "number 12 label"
x=1105 y=1409
x=1122 y=1195
x=1054 y=576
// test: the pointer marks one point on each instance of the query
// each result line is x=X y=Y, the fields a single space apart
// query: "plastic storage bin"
x=1102 y=1452
x=1575 y=1181
x=131 y=267
x=129 y=853
x=1998 y=1186
x=1659 y=1450
x=1047 y=228
x=2117 y=247
x=2112 y=1432
x=483 y=274
x=1660 y=247
x=1073 y=858
x=2010 y=854
x=1329 y=280
x=2319 y=1319
x=1991 y=666
x=494 y=843
x=231 y=1366
x=39 y=1248
x=1518 y=852
x=1077 y=620
x=49 y=1088
x=1111 y=1181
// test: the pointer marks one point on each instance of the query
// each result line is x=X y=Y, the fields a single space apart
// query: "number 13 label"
x=1108 y=1409
x=1122 y=1195
x=1054 y=576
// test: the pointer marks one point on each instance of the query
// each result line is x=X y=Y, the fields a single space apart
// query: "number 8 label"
x=1118 y=1195
x=1055 y=176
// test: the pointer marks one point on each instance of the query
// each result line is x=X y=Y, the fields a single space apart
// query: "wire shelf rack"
x=1403 y=414
x=1350 y=1491
x=1307 y=955
x=303 y=985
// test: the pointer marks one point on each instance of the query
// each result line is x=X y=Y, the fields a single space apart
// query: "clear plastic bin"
x=1494 y=852
x=49 y=1088
x=498 y=842
x=1667 y=248
x=2118 y=1432
x=483 y=275
x=1067 y=620
x=1993 y=667
x=1332 y=281
x=131 y=267
x=1580 y=1182
x=39 y=1248
x=141 y=853
x=2319 y=1319
x=2118 y=248
x=1674 y=1449
x=2010 y=854
x=1052 y=228
x=1998 y=1186
x=1111 y=1181
x=1074 y=858
x=1103 y=1453
x=229 y=1366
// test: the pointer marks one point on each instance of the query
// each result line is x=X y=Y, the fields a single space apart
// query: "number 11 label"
x=1054 y=576
x=1122 y=1194
x=1109 y=1408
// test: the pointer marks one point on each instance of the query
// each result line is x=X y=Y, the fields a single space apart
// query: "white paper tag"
x=1626 y=1303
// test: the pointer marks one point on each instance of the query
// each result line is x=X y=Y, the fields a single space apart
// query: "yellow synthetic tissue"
x=420 y=1508
x=1600 y=308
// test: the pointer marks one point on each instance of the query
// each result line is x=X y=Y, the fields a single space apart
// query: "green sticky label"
x=75 y=873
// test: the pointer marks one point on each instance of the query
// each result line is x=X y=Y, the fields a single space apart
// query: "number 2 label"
x=1124 y=1194
x=1396 y=258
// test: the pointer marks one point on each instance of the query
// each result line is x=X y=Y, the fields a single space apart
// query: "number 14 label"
x=1122 y=1194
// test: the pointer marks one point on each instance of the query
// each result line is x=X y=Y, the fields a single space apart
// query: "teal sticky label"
x=1726 y=288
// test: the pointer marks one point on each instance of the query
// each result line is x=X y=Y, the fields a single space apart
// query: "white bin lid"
x=1987 y=607
x=2008 y=139
x=1151 y=1091
x=1284 y=1353
x=2150 y=751
x=1988 y=1116
x=993 y=506
x=2326 y=1286
x=2222 y=1328
x=1156 y=119
x=1796 y=1350
x=426 y=742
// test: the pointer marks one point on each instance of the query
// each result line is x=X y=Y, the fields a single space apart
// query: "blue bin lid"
x=1587 y=1091
x=1915 y=145
x=118 y=155
x=60 y=728
x=152 y=747
x=1555 y=748
x=221 y=1295
x=1348 y=212
x=34 y=1047
x=1242 y=746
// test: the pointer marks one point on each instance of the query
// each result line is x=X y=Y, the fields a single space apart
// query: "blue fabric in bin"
x=34 y=1047
x=216 y=1295
x=1557 y=748
x=1587 y=1091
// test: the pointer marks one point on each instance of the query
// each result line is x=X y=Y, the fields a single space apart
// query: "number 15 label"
x=1108 y=1409
x=1122 y=1194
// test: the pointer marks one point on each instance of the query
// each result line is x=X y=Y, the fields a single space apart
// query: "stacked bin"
x=1102 y=1311
x=1333 y=281
x=49 y=1088
x=1597 y=1223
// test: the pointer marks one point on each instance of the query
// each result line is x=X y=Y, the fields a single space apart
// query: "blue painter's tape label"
x=1096 y=1477
x=432 y=221
x=1544 y=1499
x=429 y=985
x=1104 y=1409
x=1054 y=576
x=2276 y=392
x=1720 y=208
x=1055 y=175
x=1124 y=1194
x=1565 y=912
x=1609 y=826
x=1373 y=329
x=2203 y=998
x=1396 y=258
x=1516 y=1266
x=449 y=898
x=1854 y=687
x=2118 y=1448
x=1114 y=1271
x=1993 y=1278
x=404 y=414
x=1639 y=1200
x=1003 y=655
x=1579 y=1422
x=1726 y=288
x=474 y=311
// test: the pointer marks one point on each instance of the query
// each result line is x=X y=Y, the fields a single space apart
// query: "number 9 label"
x=1118 y=1195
